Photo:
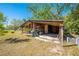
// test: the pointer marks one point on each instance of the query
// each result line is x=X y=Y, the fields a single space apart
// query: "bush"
x=1 y=33
x=9 y=31
x=12 y=32
x=5 y=31
x=27 y=30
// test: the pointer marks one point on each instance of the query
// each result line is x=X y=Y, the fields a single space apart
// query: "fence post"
x=61 y=34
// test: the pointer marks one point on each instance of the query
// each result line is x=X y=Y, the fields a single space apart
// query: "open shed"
x=46 y=26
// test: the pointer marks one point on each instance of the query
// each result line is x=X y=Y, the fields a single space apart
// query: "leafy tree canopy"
x=2 y=20
x=72 y=21
x=15 y=23
x=50 y=11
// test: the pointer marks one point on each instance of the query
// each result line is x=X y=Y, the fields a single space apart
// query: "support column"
x=33 y=26
x=46 y=28
x=61 y=34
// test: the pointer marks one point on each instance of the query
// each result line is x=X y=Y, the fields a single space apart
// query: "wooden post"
x=61 y=35
x=46 y=28
x=33 y=26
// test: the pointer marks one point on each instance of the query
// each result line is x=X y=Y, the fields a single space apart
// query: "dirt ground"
x=28 y=46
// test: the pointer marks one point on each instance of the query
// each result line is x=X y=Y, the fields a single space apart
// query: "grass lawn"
x=31 y=47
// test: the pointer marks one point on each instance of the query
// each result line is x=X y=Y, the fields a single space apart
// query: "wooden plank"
x=69 y=45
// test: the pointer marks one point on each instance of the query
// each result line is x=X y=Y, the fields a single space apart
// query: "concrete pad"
x=57 y=42
x=42 y=39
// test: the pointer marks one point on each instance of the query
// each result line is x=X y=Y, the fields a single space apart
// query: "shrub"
x=12 y=32
x=27 y=30
x=5 y=31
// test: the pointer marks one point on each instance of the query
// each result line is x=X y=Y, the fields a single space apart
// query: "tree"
x=2 y=20
x=15 y=24
x=24 y=20
x=72 y=21
x=41 y=11
x=50 y=11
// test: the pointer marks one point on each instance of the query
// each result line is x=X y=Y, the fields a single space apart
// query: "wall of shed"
x=43 y=26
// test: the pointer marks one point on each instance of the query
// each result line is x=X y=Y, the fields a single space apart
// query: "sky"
x=15 y=11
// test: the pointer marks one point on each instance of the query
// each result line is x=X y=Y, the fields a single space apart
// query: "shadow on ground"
x=16 y=40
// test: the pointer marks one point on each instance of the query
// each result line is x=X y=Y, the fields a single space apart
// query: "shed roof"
x=42 y=21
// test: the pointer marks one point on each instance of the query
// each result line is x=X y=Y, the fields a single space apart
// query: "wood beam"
x=46 y=28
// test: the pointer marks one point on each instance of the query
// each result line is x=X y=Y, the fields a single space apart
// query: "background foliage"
x=72 y=21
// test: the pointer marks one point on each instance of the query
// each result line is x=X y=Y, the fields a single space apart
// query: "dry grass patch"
x=32 y=47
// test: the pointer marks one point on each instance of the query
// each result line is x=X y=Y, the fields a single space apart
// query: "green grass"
x=32 y=47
